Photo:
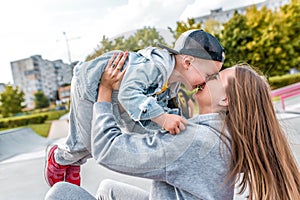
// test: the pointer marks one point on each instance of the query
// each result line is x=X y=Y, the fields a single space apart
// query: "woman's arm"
x=140 y=155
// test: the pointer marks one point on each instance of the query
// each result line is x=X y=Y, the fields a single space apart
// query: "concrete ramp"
x=20 y=140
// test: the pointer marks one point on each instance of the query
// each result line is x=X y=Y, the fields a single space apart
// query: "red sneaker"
x=73 y=175
x=54 y=172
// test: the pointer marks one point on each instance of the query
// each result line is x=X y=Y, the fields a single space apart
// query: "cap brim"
x=167 y=48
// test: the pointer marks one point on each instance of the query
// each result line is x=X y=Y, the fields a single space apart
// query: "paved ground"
x=59 y=129
x=11 y=146
x=22 y=159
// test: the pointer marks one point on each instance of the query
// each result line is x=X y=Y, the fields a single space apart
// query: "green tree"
x=265 y=49
x=290 y=15
x=142 y=38
x=263 y=38
x=41 y=100
x=184 y=26
x=11 y=101
x=234 y=37
x=212 y=26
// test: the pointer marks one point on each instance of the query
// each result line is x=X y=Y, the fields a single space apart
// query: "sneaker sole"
x=47 y=151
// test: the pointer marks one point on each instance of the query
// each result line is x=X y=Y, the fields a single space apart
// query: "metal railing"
x=286 y=92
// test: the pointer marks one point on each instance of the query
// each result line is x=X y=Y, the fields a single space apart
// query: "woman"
x=236 y=133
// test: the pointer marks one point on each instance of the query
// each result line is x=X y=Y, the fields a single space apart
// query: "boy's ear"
x=224 y=102
x=187 y=60
x=186 y=64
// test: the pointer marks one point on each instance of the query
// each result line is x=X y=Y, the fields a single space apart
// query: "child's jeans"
x=77 y=148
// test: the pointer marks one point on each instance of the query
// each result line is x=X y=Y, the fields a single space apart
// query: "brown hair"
x=260 y=153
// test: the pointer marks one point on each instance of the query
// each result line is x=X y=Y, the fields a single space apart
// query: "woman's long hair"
x=261 y=155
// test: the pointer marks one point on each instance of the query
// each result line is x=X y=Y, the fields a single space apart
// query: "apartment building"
x=64 y=94
x=2 y=87
x=37 y=74
x=223 y=16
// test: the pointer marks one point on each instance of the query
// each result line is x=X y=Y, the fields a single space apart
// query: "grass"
x=41 y=129
x=274 y=99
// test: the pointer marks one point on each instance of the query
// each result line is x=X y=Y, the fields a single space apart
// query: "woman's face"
x=212 y=97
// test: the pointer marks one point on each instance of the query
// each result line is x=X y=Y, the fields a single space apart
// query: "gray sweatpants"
x=108 y=190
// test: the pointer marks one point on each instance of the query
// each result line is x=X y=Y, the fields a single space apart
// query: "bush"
x=14 y=122
x=281 y=81
x=54 y=115
x=25 y=120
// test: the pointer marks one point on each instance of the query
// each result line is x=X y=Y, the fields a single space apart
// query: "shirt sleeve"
x=141 y=155
x=139 y=84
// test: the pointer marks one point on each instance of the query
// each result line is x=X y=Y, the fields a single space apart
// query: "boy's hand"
x=171 y=122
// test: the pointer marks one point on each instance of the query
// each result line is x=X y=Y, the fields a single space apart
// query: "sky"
x=44 y=27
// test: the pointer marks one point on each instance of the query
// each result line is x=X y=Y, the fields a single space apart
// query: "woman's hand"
x=112 y=77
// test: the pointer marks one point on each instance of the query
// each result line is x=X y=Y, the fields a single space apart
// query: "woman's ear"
x=224 y=102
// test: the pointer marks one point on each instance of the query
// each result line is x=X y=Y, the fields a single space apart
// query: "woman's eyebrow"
x=211 y=76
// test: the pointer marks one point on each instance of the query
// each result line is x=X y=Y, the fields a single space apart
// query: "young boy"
x=146 y=99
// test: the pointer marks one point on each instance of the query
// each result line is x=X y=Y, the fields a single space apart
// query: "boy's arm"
x=171 y=122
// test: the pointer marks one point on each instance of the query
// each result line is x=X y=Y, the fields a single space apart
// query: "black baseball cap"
x=198 y=43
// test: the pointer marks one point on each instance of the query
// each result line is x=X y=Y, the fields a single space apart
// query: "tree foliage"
x=183 y=26
x=291 y=29
x=142 y=38
x=212 y=26
x=234 y=38
x=264 y=38
x=41 y=100
x=11 y=101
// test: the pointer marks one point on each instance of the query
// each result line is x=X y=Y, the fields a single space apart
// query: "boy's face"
x=199 y=71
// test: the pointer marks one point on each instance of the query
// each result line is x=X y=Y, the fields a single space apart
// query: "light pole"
x=68 y=47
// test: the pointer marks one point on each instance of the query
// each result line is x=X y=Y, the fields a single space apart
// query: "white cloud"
x=137 y=14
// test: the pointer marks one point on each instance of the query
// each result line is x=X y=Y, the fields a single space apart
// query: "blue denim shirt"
x=148 y=70
x=190 y=165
